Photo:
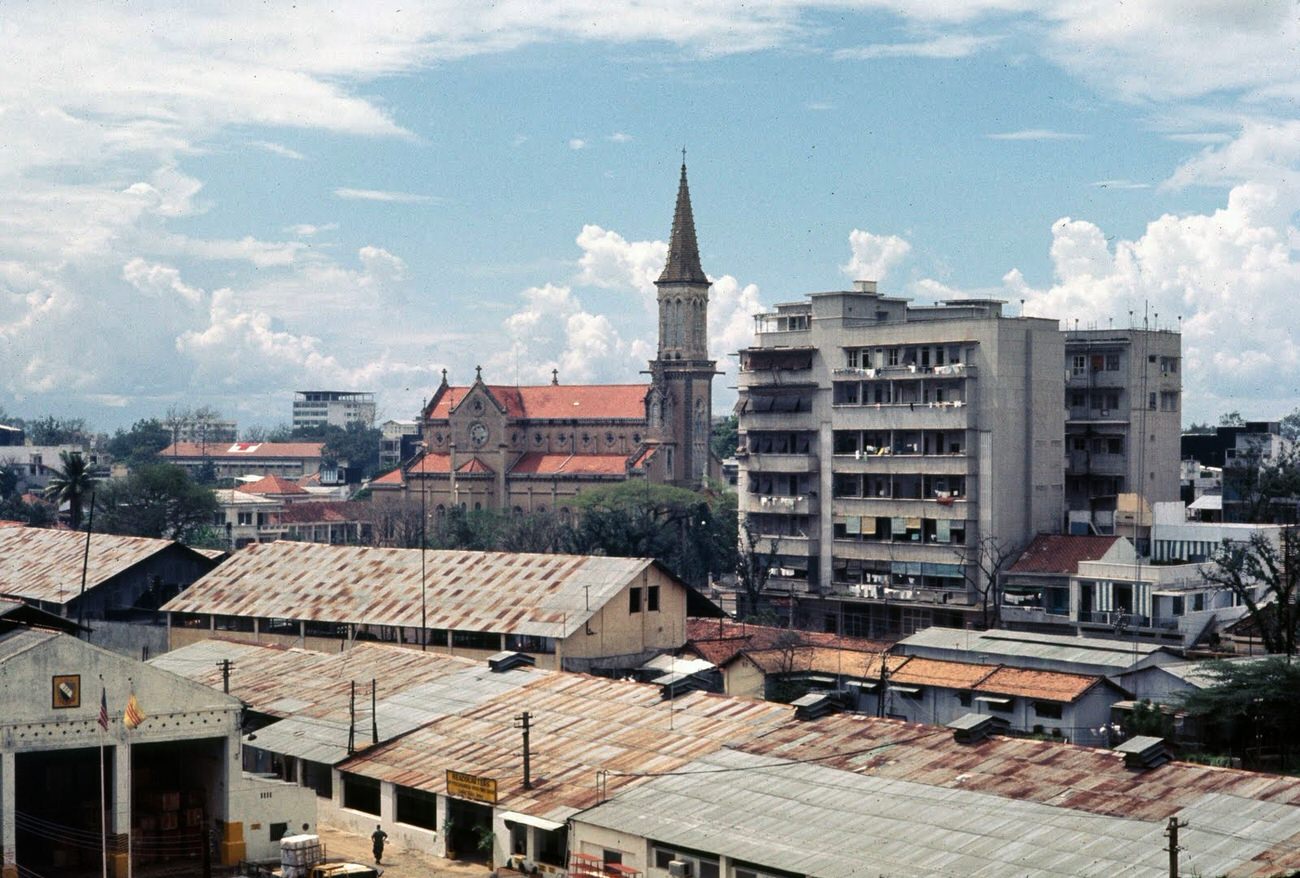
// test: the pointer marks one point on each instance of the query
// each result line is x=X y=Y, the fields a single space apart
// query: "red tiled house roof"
x=553 y=401
x=1061 y=553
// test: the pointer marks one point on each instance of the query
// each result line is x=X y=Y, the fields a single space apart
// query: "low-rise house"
x=570 y=611
x=336 y=522
x=1027 y=649
x=246 y=518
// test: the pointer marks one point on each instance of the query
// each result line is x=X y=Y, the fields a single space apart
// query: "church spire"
x=683 y=265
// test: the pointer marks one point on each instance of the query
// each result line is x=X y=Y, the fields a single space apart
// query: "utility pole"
x=225 y=665
x=352 y=720
x=880 y=689
x=1171 y=832
x=524 y=722
x=374 y=715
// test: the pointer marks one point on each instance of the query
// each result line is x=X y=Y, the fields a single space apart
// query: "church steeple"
x=683 y=265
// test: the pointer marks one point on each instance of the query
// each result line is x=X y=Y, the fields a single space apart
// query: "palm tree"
x=71 y=484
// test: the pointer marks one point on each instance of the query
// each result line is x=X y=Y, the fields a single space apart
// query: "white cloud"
x=1034 y=134
x=620 y=137
x=308 y=230
x=946 y=46
x=157 y=279
x=1267 y=152
x=1120 y=184
x=577 y=143
x=382 y=195
x=611 y=262
x=874 y=256
x=1230 y=275
x=1200 y=137
x=278 y=149
x=819 y=106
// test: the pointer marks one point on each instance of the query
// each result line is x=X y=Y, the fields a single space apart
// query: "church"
x=534 y=449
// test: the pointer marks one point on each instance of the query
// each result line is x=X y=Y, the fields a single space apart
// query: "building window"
x=652 y=599
x=1078 y=365
x=702 y=865
x=1047 y=709
x=245 y=519
x=893 y=356
x=851 y=358
x=1112 y=362
x=360 y=793
x=553 y=847
x=634 y=600
x=417 y=808
x=964 y=699
x=319 y=777
x=476 y=639
x=1151 y=401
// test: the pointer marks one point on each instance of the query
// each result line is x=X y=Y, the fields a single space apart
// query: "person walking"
x=377 y=839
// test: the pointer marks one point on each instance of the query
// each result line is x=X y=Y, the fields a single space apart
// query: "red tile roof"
x=1061 y=553
x=538 y=463
x=474 y=466
x=240 y=450
x=935 y=672
x=556 y=401
x=431 y=462
x=273 y=485
x=390 y=478
x=325 y=511
x=1028 y=683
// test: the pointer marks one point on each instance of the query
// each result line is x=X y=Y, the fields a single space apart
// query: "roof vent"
x=508 y=661
x=816 y=705
x=971 y=728
x=1144 y=752
x=678 y=684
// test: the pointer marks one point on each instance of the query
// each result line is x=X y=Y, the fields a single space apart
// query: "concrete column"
x=120 y=819
x=8 y=801
x=387 y=803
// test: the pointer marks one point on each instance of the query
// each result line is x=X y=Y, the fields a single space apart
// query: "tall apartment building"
x=883 y=443
x=1123 y=397
x=202 y=430
x=333 y=408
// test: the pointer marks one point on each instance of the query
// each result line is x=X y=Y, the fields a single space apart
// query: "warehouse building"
x=566 y=611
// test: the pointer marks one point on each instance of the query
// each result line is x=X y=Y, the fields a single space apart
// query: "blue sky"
x=221 y=204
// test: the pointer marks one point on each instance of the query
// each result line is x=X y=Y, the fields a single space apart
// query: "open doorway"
x=470 y=834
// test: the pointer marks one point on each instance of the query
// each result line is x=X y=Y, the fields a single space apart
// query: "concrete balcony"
x=885 y=507
x=877 y=550
x=907 y=416
x=782 y=463
x=889 y=594
x=783 y=544
x=909 y=373
x=778 y=421
x=1084 y=415
x=777 y=378
x=779 y=504
x=910 y=464
x=1082 y=463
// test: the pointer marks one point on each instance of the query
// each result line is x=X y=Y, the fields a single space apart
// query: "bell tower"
x=681 y=404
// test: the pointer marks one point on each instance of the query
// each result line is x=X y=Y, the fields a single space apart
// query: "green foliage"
x=50 y=430
x=1291 y=426
x=1244 y=568
x=1232 y=419
x=1263 y=490
x=358 y=445
x=8 y=481
x=1148 y=719
x=1198 y=428
x=39 y=514
x=157 y=500
x=1251 y=710
x=140 y=444
x=70 y=483
x=726 y=438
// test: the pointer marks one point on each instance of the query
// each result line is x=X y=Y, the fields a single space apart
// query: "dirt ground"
x=397 y=863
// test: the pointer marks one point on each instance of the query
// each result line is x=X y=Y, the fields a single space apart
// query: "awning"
x=530 y=820
x=993 y=699
x=909 y=690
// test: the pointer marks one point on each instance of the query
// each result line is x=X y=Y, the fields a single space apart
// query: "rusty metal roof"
x=513 y=593
x=40 y=564
x=580 y=725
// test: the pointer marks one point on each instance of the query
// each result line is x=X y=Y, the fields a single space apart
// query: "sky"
x=218 y=204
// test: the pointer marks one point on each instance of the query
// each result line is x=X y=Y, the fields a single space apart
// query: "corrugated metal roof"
x=19 y=640
x=814 y=820
x=1004 y=646
x=40 y=564
x=514 y=593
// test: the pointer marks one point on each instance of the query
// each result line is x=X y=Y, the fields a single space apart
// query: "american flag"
x=103 y=709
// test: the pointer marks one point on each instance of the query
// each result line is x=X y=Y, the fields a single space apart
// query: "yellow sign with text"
x=471 y=787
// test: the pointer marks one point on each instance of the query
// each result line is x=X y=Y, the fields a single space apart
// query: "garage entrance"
x=57 y=812
x=175 y=789
x=471 y=823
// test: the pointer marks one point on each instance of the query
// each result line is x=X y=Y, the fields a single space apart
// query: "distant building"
x=526 y=449
x=201 y=430
x=289 y=460
x=1123 y=398
x=11 y=436
x=316 y=409
x=398 y=442
x=35 y=464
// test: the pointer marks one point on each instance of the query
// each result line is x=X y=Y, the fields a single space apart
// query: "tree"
x=70 y=483
x=1254 y=488
x=1291 y=426
x=50 y=430
x=395 y=521
x=981 y=569
x=1232 y=419
x=141 y=444
x=356 y=447
x=157 y=500
x=726 y=438
x=1199 y=428
x=1251 y=707
x=753 y=567
x=1265 y=577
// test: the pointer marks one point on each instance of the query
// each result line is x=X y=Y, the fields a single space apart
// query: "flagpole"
x=103 y=809
x=130 y=814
